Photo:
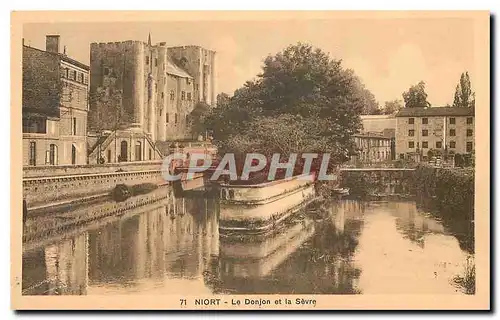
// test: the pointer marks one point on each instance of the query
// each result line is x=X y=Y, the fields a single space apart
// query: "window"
x=86 y=79
x=411 y=144
x=468 y=147
x=411 y=133
x=401 y=156
x=80 y=77
x=425 y=144
x=156 y=62
x=73 y=124
x=453 y=144
x=73 y=77
x=176 y=118
x=411 y=120
x=189 y=96
x=172 y=95
x=147 y=59
x=469 y=120
x=109 y=155
x=66 y=71
x=183 y=95
x=156 y=87
x=32 y=159
x=106 y=71
x=138 y=151
x=439 y=144
x=73 y=154
x=425 y=120
x=162 y=95
x=167 y=120
x=63 y=73
x=150 y=154
x=425 y=133
x=469 y=132
x=452 y=132
x=188 y=81
x=452 y=120
x=52 y=154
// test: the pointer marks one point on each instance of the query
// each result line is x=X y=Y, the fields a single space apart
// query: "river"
x=175 y=248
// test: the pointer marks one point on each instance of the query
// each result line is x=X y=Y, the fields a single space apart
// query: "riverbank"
x=448 y=194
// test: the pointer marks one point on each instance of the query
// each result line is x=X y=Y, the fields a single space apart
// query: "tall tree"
x=197 y=118
x=464 y=97
x=416 y=97
x=370 y=104
x=393 y=106
x=302 y=94
x=222 y=99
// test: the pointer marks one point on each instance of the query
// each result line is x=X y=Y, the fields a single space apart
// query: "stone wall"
x=51 y=171
x=44 y=190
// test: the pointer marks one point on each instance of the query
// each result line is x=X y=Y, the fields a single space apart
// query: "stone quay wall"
x=48 y=190
x=51 y=171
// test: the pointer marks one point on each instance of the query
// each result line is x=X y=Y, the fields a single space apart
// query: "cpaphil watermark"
x=179 y=166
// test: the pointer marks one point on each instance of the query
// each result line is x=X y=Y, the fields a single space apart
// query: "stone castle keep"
x=135 y=84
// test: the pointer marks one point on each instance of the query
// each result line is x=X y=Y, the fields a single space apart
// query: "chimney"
x=52 y=43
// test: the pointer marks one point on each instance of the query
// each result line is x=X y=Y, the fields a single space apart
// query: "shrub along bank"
x=449 y=193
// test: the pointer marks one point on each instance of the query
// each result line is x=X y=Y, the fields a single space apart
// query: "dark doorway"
x=123 y=151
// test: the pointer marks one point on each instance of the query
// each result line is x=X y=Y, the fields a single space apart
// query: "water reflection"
x=356 y=247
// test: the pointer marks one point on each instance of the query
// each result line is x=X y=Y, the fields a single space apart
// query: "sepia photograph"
x=250 y=160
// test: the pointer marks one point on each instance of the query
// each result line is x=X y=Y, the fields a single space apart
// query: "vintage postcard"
x=250 y=160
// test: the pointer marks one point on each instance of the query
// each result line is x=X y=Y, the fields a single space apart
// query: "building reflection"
x=175 y=239
x=57 y=269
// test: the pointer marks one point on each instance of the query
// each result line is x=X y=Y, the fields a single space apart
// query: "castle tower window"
x=167 y=117
x=172 y=95
x=147 y=59
x=162 y=95
x=176 y=118
x=156 y=62
x=183 y=95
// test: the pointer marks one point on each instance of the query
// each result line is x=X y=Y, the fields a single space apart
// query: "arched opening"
x=123 y=151
x=73 y=154
x=138 y=151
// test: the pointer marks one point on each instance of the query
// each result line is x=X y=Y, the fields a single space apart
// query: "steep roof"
x=435 y=112
x=175 y=70
x=61 y=56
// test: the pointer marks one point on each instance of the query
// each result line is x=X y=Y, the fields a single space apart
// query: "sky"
x=389 y=55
